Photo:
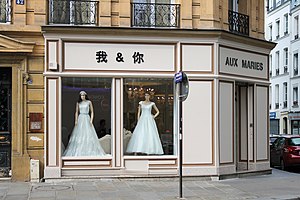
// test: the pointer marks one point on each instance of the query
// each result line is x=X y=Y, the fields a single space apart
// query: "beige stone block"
x=20 y=168
x=186 y=9
x=124 y=9
x=125 y=22
x=105 y=8
x=35 y=140
x=35 y=95
x=115 y=21
x=196 y=23
x=187 y=23
x=40 y=19
x=37 y=79
x=40 y=6
x=105 y=21
x=36 y=64
x=19 y=19
x=35 y=108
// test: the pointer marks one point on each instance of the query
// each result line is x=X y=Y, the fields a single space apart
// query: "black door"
x=5 y=121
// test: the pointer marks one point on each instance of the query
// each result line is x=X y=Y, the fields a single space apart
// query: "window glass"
x=91 y=98
x=295 y=127
x=148 y=132
x=294 y=142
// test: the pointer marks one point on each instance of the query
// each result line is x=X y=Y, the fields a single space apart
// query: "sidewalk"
x=278 y=185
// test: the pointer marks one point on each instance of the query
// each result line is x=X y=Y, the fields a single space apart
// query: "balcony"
x=285 y=104
x=5 y=11
x=285 y=69
x=75 y=12
x=295 y=71
x=238 y=23
x=155 y=15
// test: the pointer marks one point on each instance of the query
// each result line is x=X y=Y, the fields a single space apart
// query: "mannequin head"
x=147 y=96
x=82 y=96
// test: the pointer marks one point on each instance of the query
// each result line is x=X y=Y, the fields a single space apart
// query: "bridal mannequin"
x=84 y=140
x=145 y=138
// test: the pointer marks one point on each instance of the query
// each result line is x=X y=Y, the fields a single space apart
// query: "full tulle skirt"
x=84 y=140
x=145 y=138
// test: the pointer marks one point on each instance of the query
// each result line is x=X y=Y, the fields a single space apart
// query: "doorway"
x=5 y=121
x=244 y=107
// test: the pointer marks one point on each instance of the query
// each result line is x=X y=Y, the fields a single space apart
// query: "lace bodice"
x=84 y=107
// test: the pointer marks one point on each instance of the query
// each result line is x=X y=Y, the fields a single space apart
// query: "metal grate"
x=238 y=23
x=155 y=15
x=5 y=11
x=74 y=12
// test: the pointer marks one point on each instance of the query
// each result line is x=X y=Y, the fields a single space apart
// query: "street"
x=278 y=185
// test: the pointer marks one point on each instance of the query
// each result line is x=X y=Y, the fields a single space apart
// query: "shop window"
x=85 y=138
x=295 y=127
x=140 y=135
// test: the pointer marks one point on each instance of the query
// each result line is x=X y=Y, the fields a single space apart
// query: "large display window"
x=86 y=117
x=148 y=116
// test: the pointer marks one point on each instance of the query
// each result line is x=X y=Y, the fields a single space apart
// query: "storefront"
x=274 y=124
x=225 y=118
x=294 y=118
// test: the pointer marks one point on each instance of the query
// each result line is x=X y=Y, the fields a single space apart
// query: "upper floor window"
x=144 y=14
x=286 y=20
x=277 y=29
x=270 y=2
x=295 y=96
x=295 y=64
x=286 y=59
x=277 y=62
x=296 y=27
x=5 y=11
x=270 y=60
x=285 y=94
x=270 y=32
x=83 y=12
x=276 y=96
x=278 y=2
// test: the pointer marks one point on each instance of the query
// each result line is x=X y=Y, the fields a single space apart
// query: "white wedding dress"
x=145 y=138
x=84 y=140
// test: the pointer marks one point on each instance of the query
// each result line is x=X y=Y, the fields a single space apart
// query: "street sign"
x=178 y=77
x=20 y=2
x=182 y=85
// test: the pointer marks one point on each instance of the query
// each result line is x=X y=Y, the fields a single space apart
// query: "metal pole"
x=180 y=148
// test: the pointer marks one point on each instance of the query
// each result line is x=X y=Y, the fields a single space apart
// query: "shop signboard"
x=113 y=56
x=243 y=63
x=294 y=116
x=272 y=115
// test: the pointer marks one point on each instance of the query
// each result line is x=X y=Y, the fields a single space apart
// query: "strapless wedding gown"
x=84 y=140
x=145 y=137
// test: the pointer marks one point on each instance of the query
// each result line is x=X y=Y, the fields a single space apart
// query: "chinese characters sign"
x=107 y=56
x=101 y=56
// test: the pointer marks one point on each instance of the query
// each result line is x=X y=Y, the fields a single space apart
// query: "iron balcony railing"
x=76 y=12
x=155 y=15
x=5 y=11
x=238 y=23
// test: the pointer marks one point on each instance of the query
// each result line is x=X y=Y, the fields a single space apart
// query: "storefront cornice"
x=10 y=45
x=168 y=33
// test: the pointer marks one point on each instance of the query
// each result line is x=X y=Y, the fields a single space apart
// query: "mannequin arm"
x=76 y=114
x=139 y=112
x=92 y=112
x=157 y=111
